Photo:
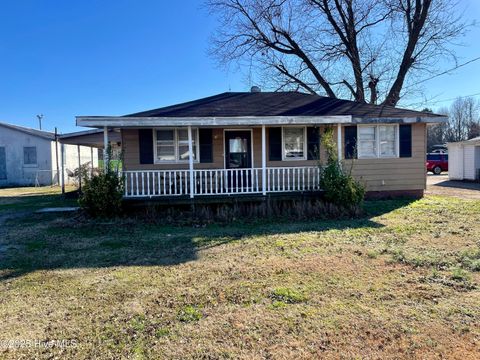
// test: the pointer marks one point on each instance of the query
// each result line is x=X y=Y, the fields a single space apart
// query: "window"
x=29 y=155
x=378 y=141
x=388 y=144
x=183 y=154
x=171 y=145
x=166 y=145
x=294 y=143
x=238 y=145
x=367 y=142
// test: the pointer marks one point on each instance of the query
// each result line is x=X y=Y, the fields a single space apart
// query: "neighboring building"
x=464 y=160
x=28 y=157
x=263 y=143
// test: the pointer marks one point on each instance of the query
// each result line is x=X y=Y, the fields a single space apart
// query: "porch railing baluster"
x=158 y=183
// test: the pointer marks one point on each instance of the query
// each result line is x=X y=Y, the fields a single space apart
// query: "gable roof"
x=34 y=132
x=262 y=108
x=247 y=104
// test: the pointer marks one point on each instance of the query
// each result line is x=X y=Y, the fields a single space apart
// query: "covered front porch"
x=210 y=182
x=240 y=162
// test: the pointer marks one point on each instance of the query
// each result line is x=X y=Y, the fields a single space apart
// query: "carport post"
x=91 y=161
x=56 y=156
x=79 y=169
x=105 y=149
x=62 y=153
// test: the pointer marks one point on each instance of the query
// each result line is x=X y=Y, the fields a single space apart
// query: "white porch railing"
x=153 y=183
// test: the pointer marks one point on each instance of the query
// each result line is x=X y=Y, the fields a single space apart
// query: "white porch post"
x=264 y=162
x=190 y=162
x=105 y=149
x=339 y=141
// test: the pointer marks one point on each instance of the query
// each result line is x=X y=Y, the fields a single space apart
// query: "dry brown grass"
x=400 y=284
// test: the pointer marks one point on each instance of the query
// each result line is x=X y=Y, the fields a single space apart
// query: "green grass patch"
x=401 y=282
x=35 y=245
x=287 y=295
x=114 y=244
x=459 y=274
x=189 y=313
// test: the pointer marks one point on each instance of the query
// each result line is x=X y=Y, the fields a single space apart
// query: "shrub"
x=102 y=194
x=339 y=185
x=269 y=209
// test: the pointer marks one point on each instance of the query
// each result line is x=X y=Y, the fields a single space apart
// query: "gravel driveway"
x=440 y=185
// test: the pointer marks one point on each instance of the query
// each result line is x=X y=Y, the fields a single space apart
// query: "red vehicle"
x=437 y=162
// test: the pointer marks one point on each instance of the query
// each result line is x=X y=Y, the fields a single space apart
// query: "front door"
x=238 y=159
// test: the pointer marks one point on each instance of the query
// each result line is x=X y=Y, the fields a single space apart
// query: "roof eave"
x=400 y=120
x=131 y=121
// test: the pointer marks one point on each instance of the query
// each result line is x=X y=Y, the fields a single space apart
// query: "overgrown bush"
x=302 y=209
x=338 y=184
x=102 y=193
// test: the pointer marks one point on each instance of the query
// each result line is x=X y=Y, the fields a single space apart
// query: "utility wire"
x=443 y=100
x=448 y=71
x=440 y=74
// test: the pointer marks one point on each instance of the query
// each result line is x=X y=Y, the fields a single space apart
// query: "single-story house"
x=464 y=160
x=266 y=142
x=28 y=156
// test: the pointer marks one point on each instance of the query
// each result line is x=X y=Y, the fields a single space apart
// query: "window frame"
x=176 y=146
x=36 y=157
x=284 y=157
x=377 y=141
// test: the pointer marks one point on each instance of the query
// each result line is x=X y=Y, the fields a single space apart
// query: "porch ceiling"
x=92 y=138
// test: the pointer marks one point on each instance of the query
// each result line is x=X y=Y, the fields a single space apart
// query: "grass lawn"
x=403 y=282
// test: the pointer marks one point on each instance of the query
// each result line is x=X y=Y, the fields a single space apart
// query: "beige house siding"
x=395 y=173
x=132 y=155
x=377 y=174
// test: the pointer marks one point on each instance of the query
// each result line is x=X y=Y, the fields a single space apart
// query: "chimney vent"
x=255 y=89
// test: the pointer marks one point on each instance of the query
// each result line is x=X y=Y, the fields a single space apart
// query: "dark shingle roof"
x=239 y=104
x=40 y=133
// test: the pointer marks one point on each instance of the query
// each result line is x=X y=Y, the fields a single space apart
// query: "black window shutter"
x=275 y=143
x=406 y=140
x=206 y=145
x=350 y=146
x=145 y=143
x=313 y=143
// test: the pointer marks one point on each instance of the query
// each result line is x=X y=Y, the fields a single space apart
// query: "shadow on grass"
x=33 y=201
x=51 y=241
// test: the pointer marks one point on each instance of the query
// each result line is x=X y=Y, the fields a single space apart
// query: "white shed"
x=464 y=160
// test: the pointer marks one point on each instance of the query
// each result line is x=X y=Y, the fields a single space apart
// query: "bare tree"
x=340 y=48
x=463 y=122
x=463 y=118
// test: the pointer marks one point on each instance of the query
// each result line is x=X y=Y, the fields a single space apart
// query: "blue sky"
x=112 y=57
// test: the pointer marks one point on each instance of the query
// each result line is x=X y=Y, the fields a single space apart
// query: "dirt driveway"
x=440 y=185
